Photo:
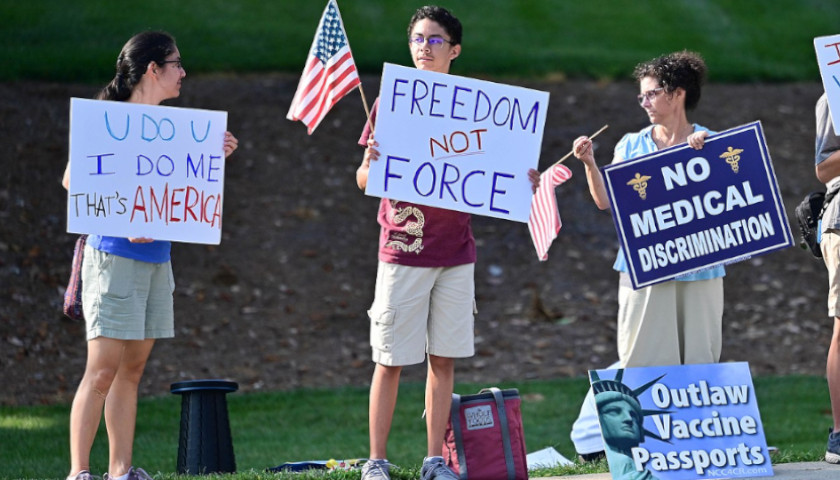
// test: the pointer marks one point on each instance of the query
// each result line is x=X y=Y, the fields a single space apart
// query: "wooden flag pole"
x=558 y=162
x=367 y=110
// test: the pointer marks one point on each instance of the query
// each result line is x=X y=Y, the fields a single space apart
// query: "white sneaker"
x=376 y=470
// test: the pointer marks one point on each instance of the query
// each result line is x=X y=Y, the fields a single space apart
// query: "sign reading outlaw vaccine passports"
x=456 y=143
x=681 y=210
x=146 y=171
x=681 y=422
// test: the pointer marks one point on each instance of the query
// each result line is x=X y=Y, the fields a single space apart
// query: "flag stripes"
x=544 y=222
x=330 y=72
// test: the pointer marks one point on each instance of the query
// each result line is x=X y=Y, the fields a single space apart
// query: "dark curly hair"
x=685 y=70
x=136 y=55
x=442 y=16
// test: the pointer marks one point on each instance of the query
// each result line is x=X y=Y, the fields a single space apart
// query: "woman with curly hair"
x=679 y=321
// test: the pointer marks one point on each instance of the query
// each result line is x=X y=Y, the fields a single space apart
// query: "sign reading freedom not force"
x=146 y=171
x=681 y=210
x=456 y=143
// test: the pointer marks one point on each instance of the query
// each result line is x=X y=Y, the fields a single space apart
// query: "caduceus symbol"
x=732 y=156
x=639 y=183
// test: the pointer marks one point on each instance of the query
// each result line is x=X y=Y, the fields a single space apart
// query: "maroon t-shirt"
x=418 y=235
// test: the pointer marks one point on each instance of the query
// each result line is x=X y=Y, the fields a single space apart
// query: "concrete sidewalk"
x=784 y=471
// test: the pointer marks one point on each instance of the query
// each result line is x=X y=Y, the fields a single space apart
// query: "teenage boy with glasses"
x=425 y=289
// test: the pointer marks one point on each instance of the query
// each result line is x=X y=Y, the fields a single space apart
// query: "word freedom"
x=462 y=103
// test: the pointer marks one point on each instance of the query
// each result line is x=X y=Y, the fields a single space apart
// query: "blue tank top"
x=154 y=252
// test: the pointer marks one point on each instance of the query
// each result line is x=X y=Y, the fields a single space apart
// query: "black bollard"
x=205 y=444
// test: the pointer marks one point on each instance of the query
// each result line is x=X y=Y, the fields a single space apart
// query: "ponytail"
x=134 y=59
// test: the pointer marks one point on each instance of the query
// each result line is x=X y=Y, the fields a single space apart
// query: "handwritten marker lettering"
x=143 y=170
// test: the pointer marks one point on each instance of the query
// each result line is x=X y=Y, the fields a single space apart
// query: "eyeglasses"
x=176 y=62
x=649 y=95
x=434 y=41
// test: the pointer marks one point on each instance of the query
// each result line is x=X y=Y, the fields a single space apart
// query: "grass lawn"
x=743 y=41
x=276 y=427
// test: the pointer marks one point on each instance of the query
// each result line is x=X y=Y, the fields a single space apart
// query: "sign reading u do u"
x=146 y=171
x=681 y=210
x=457 y=143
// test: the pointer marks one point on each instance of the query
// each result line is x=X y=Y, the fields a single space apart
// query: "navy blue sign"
x=681 y=210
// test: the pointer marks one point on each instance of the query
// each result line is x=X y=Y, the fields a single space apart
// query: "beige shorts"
x=830 y=246
x=126 y=299
x=419 y=310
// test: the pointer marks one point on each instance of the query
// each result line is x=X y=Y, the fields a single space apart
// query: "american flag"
x=544 y=221
x=329 y=73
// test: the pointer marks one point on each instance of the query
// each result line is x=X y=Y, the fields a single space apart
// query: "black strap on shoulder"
x=829 y=196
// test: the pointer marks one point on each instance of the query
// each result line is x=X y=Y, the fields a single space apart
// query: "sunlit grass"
x=272 y=428
x=23 y=421
x=748 y=40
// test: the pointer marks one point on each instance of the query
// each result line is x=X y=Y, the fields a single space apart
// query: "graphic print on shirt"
x=402 y=240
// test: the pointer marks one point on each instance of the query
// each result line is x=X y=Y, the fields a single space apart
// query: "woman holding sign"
x=679 y=321
x=424 y=300
x=127 y=285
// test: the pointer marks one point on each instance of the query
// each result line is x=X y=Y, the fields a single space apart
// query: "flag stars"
x=330 y=37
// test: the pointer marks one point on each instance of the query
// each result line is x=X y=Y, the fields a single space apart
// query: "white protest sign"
x=828 y=57
x=457 y=143
x=146 y=171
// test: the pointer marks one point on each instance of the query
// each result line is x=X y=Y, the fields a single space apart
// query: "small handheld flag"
x=330 y=72
x=544 y=222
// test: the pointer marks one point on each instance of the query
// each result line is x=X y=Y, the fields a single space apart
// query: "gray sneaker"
x=84 y=475
x=435 y=468
x=832 y=450
x=133 y=474
x=376 y=470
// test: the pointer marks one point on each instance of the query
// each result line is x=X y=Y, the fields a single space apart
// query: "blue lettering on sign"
x=495 y=190
x=99 y=164
x=415 y=100
x=456 y=102
x=111 y=133
x=388 y=173
x=192 y=167
x=155 y=166
x=206 y=132
x=464 y=188
x=198 y=169
x=478 y=98
x=213 y=168
x=427 y=174
x=533 y=113
x=396 y=94
x=444 y=183
x=157 y=131
x=437 y=101
x=496 y=111
x=417 y=175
